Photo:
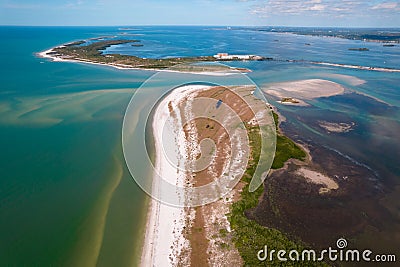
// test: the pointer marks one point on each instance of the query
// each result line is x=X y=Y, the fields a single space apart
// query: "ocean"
x=66 y=195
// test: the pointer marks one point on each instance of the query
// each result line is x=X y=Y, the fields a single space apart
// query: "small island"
x=289 y=100
x=82 y=51
x=359 y=49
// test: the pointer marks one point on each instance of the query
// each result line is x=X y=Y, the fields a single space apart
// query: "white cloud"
x=315 y=1
x=75 y=4
x=317 y=8
x=386 y=5
x=289 y=7
x=323 y=8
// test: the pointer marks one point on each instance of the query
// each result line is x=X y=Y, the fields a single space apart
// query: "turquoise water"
x=66 y=197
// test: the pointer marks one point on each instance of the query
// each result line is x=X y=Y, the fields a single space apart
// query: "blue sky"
x=351 y=13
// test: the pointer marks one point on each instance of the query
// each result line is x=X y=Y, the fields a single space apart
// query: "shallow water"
x=63 y=179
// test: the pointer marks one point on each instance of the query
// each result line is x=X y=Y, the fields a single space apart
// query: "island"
x=303 y=193
x=93 y=52
x=359 y=49
x=289 y=100
x=219 y=233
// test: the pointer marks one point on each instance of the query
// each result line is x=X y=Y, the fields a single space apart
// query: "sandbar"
x=302 y=90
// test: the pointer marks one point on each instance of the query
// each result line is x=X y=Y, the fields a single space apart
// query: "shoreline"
x=45 y=55
x=164 y=239
x=298 y=92
x=197 y=236
x=358 y=67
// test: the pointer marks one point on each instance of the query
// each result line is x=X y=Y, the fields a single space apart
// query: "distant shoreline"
x=45 y=54
x=356 y=67
x=371 y=35
x=92 y=53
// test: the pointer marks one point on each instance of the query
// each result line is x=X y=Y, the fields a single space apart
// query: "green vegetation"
x=285 y=148
x=223 y=245
x=93 y=52
x=249 y=236
x=359 y=49
x=289 y=100
x=223 y=232
x=75 y=43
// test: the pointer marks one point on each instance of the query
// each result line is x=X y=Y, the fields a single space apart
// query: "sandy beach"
x=200 y=140
x=165 y=241
x=48 y=54
x=351 y=80
x=298 y=91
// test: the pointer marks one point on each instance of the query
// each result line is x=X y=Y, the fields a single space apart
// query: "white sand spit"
x=165 y=243
x=304 y=89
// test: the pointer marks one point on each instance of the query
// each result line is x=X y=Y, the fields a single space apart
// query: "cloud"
x=328 y=8
x=76 y=4
x=317 y=8
x=288 y=7
x=387 y=5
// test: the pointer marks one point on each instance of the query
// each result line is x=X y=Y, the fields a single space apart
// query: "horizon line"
x=205 y=25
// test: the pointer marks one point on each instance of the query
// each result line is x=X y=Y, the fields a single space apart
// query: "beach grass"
x=285 y=148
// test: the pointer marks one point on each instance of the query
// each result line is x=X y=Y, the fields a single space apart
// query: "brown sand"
x=209 y=234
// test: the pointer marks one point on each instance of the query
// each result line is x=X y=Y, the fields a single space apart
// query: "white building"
x=226 y=56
